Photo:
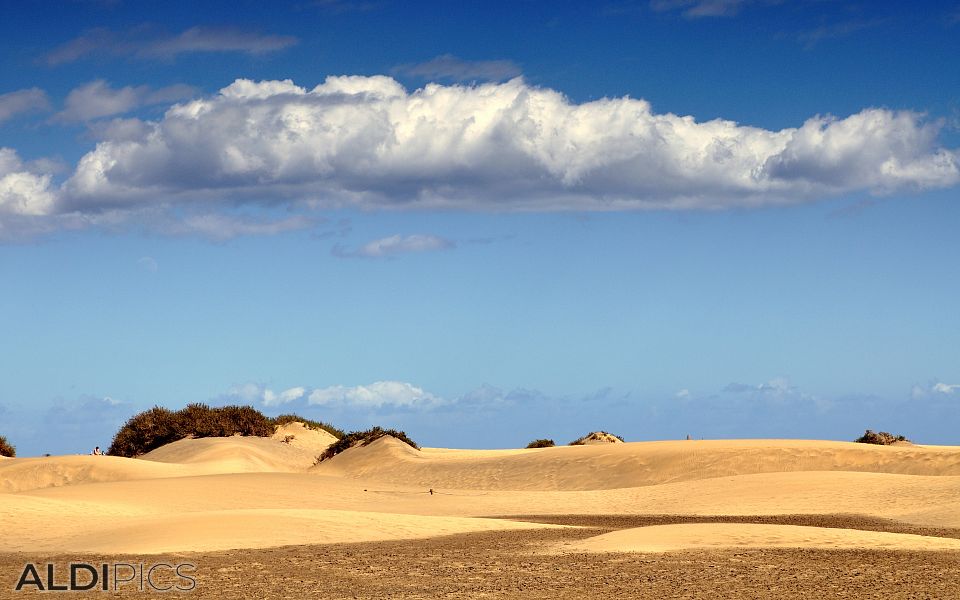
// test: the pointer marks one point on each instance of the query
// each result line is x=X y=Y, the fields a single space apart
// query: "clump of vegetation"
x=145 y=431
x=362 y=438
x=158 y=426
x=882 y=438
x=310 y=424
x=599 y=436
x=6 y=448
x=541 y=443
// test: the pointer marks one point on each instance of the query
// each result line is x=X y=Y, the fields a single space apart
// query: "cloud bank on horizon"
x=367 y=142
x=376 y=395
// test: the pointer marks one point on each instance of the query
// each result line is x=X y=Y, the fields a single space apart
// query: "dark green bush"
x=581 y=441
x=362 y=438
x=6 y=448
x=158 y=426
x=145 y=431
x=310 y=423
x=244 y=420
x=541 y=443
x=198 y=420
x=882 y=438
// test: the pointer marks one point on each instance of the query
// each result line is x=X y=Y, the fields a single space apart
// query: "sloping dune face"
x=22 y=474
x=611 y=466
x=292 y=448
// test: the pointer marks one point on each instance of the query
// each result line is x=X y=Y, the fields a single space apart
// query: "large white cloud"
x=366 y=141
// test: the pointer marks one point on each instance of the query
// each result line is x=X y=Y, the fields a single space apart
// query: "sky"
x=482 y=222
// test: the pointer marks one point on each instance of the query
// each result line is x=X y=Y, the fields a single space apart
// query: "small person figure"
x=97 y=451
x=431 y=491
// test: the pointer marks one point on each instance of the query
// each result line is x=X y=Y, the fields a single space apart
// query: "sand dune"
x=205 y=494
x=668 y=538
x=183 y=458
x=610 y=466
x=250 y=454
x=21 y=474
x=253 y=528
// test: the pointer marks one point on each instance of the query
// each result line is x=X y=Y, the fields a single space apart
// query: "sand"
x=670 y=538
x=204 y=495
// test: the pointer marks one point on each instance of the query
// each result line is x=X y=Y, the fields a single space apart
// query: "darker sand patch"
x=510 y=565
x=614 y=522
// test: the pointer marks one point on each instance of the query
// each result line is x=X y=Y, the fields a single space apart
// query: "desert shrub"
x=882 y=438
x=6 y=448
x=541 y=443
x=198 y=420
x=158 y=426
x=310 y=423
x=244 y=420
x=581 y=441
x=362 y=438
x=145 y=431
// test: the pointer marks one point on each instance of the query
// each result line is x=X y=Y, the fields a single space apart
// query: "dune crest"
x=598 y=437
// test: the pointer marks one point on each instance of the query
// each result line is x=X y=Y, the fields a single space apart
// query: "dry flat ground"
x=694 y=519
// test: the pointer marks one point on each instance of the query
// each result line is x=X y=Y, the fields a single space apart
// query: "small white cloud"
x=148 y=263
x=248 y=393
x=946 y=388
x=251 y=393
x=778 y=386
x=289 y=395
x=397 y=244
x=142 y=43
x=682 y=394
x=223 y=226
x=97 y=99
x=450 y=68
x=939 y=388
x=375 y=395
x=22 y=101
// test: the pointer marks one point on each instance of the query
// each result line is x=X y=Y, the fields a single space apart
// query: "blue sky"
x=482 y=222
